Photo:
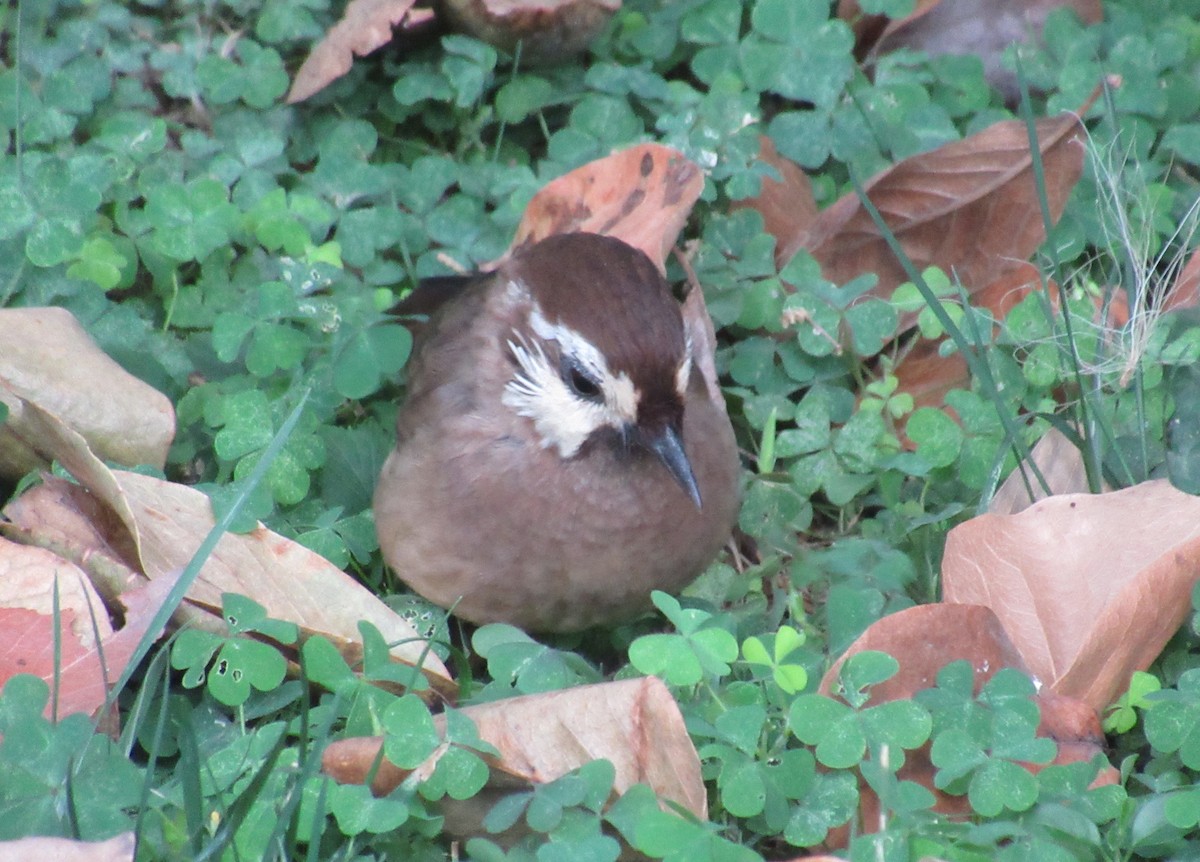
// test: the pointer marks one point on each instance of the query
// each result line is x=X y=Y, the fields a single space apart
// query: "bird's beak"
x=668 y=446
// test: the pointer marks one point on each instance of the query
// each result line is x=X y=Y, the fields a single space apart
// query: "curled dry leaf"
x=61 y=519
x=641 y=195
x=635 y=724
x=923 y=640
x=85 y=668
x=47 y=359
x=365 y=26
x=1089 y=587
x=970 y=207
x=701 y=335
x=547 y=31
x=154 y=527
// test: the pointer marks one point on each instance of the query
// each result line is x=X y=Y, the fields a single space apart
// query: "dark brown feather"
x=615 y=295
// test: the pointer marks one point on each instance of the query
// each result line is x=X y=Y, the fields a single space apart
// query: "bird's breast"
x=474 y=509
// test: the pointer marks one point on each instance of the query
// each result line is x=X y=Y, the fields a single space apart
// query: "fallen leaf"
x=1184 y=291
x=1075 y=728
x=927 y=376
x=701 y=336
x=641 y=195
x=66 y=521
x=365 y=26
x=1061 y=465
x=1088 y=587
x=85 y=667
x=119 y=848
x=155 y=527
x=869 y=28
x=786 y=205
x=546 y=31
x=47 y=359
x=981 y=28
x=970 y=207
x=29 y=577
x=923 y=640
x=635 y=724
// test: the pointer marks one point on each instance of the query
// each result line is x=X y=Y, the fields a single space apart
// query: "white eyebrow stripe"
x=573 y=344
x=620 y=395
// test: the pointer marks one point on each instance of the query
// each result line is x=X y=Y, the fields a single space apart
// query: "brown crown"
x=613 y=295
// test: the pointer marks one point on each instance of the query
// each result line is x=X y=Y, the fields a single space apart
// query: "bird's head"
x=599 y=350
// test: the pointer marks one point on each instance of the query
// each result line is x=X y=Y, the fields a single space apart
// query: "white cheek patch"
x=620 y=396
x=560 y=418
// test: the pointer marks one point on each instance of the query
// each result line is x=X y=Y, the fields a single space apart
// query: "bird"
x=558 y=455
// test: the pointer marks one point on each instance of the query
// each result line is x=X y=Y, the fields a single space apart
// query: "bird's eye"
x=581 y=383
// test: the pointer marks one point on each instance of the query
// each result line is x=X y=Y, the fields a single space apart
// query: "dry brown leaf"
x=27 y=582
x=66 y=519
x=923 y=640
x=155 y=527
x=982 y=28
x=635 y=724
x=1184 y=291
x=869 y=28
x=547 y=31
x=641 y=195
x=701 y=334
x=787 y=205
x=970 y=207
x=73 y=518
x=120 y=848
x=365 y=26
x=84 y=668
x=1061 y=465
x=168 y=523
x=47 y=359
x=927 y=376
x=1075 y=728
x=1088 y=587
x=1009 y=289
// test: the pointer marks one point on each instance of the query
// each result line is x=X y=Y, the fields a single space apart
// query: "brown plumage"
x=558 y=456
